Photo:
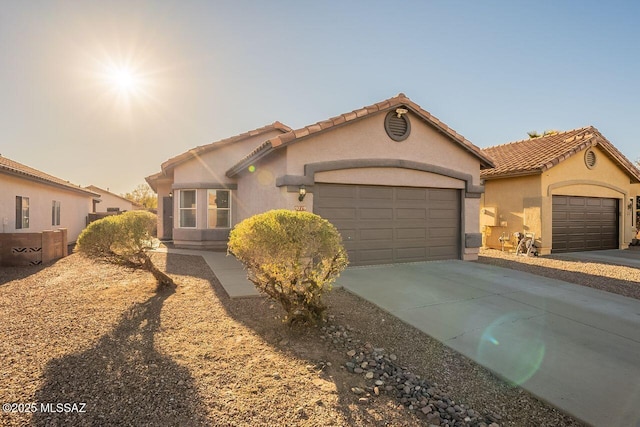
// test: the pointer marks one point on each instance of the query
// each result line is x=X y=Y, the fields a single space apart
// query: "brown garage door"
x=381 y=225
x=584 y=224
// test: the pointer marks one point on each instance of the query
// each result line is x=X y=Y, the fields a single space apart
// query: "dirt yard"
x=83 y=332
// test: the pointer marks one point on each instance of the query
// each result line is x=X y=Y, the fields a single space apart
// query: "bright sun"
x=124 y=80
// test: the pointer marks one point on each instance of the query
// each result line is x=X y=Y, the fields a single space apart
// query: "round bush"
x=292 y=257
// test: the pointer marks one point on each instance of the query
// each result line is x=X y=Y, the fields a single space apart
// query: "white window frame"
x=55 y=213
x=210 y=210
x=181 y=209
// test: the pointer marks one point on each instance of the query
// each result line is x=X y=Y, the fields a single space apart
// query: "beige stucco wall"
x=212 y=166
x=510 y=205
x=74 y=207
x=367 y=139
x=389 y=176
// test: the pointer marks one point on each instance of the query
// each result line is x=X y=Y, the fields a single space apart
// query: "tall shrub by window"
x=219 y=208
x=187 y=208
x=55 y=213
x=22 y=212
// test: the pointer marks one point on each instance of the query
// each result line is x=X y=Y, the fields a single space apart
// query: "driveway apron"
x=575 y=347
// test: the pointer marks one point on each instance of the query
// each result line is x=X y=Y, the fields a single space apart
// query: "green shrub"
x=123 y=239
x=292 y=257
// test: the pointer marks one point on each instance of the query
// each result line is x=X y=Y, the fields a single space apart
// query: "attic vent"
x=397 y=124
x=590 y=159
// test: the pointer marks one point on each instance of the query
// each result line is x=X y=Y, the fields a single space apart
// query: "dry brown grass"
x=81 y=331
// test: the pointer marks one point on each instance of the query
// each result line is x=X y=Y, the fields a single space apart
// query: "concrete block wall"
x=19 y=249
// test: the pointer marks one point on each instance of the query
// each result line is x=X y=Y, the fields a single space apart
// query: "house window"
x=187 y=208
x=55 y=213
x=219 y=208
x=22 y=212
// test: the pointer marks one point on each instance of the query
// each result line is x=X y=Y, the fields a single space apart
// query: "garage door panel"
x=375 y=256
x=411 y=213
x=392 y=224
x=416 y=194
x=375 y=213
x=584 y=223
x=337 y=213
x=410 y=233
x=442 y=194
x=376 y=234
x=411 y=254
x=375 y=193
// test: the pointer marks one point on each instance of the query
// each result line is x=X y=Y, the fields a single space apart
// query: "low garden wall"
x=18 y=249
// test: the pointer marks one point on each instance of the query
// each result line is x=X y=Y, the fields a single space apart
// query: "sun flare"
x=124 y=80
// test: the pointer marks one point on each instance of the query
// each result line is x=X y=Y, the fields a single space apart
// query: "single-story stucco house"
x=399 y=184
x=574 y=190
x=40 y=214
x=32 y=201
x=111 y=202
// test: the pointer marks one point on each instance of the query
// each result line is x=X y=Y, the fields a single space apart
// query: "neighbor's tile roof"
x=398 y=100
x=102 y=190
x=18 y=169
x=198 y=151
x=536 y=155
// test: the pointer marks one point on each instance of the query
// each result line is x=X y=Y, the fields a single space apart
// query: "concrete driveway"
x=573 y=346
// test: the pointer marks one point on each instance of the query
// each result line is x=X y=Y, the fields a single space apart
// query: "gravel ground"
x=607 y=277
x=86 y=332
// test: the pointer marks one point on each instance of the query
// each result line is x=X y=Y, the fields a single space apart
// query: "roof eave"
x=511 y=174
x=32 y=178
x=260 y=153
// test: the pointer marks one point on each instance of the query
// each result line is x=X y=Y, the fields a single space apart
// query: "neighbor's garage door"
x=381 y=225
x=584 y=224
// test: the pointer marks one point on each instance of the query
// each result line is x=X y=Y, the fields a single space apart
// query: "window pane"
x=25 y=212
x=188 y=218
x=223 y=218
x=53 y=213
x=222 y=199
x=18 y=212
x=188 y=199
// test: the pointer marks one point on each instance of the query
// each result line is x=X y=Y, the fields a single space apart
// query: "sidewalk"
x=227 y=269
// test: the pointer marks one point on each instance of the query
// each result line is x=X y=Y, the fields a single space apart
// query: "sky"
x=103 y=92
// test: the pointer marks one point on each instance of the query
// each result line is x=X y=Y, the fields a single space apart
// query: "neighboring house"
x=399 y=184
x=32 y=201
x=110 y=202
x=573 y=189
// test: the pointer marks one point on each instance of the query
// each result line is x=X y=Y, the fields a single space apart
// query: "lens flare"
x=515 y=354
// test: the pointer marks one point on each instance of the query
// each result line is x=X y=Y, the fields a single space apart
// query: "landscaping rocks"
x=414 y=393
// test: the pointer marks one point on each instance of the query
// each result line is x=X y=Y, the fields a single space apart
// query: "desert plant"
x=123 y=239
x=292 y=257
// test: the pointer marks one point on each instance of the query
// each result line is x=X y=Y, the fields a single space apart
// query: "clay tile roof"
x=174 y=161
x=534 y=156
x=102 y=190
x=324 y=125
x=18 y=169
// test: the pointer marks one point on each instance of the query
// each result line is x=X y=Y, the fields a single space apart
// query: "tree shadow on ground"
x=122 y=379
x=8 y=274
x=300 y=342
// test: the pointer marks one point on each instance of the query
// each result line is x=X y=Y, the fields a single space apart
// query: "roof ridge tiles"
x=539 y=138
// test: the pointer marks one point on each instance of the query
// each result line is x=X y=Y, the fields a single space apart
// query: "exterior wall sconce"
x=630 y=205
x=301 y=193
x=171 y=194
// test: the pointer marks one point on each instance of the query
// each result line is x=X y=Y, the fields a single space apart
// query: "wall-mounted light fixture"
x=630 y=206
x=401 y=111
x=301 y=193
x=171 y=194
